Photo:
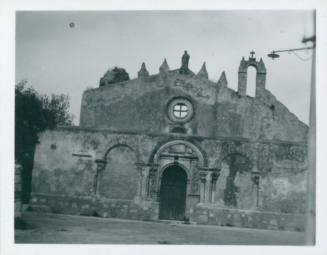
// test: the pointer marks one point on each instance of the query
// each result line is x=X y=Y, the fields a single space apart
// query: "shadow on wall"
x=235 y=187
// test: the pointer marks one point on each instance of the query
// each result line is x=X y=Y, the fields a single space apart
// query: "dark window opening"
x=180 y=130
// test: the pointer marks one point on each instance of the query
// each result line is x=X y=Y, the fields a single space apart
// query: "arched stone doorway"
x=173 y=193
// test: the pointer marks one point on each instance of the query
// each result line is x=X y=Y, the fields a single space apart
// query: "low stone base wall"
x=94 y=206
x=207 y=215
x=200 y=214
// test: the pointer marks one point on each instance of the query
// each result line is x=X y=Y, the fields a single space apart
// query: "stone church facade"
x=178 y=146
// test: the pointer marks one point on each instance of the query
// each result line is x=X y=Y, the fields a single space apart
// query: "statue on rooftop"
x=184 y=67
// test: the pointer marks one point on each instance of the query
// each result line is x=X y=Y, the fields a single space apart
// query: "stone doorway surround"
x=185 y=155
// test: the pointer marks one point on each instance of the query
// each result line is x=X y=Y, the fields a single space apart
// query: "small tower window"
x=180 y=110
x=251 y=82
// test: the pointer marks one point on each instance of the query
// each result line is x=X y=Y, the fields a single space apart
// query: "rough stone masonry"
x=178 y=146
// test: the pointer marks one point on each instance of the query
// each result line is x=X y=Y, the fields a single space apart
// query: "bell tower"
x=260 y=77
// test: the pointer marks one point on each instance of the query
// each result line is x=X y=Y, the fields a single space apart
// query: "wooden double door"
x=173 y=193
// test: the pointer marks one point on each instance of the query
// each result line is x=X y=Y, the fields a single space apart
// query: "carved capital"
x=101 y=164
x=153 y=172
x=203 y=176
x=255 y=176
x=214 y=177
x=143 y=168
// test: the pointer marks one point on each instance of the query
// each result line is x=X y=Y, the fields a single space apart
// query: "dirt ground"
x=55 y=228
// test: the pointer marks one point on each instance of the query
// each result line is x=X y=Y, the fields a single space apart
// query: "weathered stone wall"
x=140 y=105
x=66 y=166
x=282 y=169
x=120 y=171
x=57 y=171
x=256 y=118
x=18 y=190
x=94 y=206
x=248 y=218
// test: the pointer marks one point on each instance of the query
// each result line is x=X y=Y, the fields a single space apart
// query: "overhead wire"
x=300 y=57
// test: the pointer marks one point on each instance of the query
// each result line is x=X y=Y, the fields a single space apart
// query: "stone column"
x=151 y=192
x=203 y=180
x=143 y=173
x=207 y=188
x=139 y=168
x=255 y=175
x=101 y=164
x=214 y=178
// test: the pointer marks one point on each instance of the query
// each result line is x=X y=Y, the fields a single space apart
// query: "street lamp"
x=274 y=54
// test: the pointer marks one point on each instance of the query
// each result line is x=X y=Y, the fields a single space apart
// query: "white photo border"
x=7 y=81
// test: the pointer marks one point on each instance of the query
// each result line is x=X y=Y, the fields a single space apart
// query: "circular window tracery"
x=180 y=110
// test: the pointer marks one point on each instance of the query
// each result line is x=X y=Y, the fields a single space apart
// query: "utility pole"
x=310 y=226
x=311 y=184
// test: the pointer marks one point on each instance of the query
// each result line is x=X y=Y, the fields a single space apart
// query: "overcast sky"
x=56 y=58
